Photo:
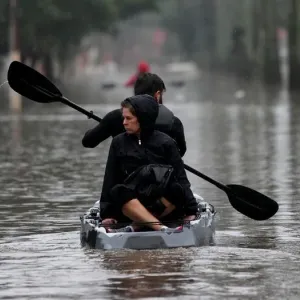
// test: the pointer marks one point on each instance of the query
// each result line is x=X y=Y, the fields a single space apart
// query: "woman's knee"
x=166 y=207
x=166 y=202
x=130 y=205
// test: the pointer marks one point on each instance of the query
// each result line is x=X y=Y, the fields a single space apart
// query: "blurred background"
x=232 y=70
x=246 y=38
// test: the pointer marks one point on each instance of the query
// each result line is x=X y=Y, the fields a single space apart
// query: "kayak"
x=199 y=232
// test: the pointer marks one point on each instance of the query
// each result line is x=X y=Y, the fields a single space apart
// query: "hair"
x=148 y=83
x=126 y=104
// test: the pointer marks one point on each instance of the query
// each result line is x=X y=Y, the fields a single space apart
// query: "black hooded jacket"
x=112 y=125
x=128 y=152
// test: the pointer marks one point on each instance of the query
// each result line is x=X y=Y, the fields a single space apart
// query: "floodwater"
x=48 y=180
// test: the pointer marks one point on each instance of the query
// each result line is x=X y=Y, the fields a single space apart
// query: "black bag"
x=150 y=180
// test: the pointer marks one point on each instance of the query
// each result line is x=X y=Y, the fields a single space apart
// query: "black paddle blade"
x=31 y=84
x=251 y=203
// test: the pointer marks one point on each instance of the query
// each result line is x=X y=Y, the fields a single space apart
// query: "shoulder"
x=162 y=137
x=120 y=137
x=177 y=120
x=117 y=142
x=163 y=109
x=177 y=124
x=112 y=115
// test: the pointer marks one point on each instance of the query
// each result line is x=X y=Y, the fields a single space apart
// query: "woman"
x=137 y=155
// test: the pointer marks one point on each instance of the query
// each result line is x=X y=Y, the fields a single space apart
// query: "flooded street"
x=48 y=180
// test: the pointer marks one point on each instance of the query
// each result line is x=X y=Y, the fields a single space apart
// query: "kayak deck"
x=198 y=232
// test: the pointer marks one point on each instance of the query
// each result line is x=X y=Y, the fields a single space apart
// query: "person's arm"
x=178 y=135
x=131 y=81
x=175 y=160
x=102 y=131
x=111 y=178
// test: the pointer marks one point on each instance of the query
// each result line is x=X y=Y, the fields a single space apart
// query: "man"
x=135 y=158
x=112 y=123
x=143 y=67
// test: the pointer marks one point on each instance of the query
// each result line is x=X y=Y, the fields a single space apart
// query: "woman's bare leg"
x=169 y=207
x=137 y=212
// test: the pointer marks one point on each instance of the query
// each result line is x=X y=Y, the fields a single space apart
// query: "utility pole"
x=14 y=52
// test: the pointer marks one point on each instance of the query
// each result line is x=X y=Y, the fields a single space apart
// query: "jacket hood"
x=146 y=110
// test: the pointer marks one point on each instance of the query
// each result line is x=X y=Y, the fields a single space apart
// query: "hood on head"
x=146 y=109
x=143 y=67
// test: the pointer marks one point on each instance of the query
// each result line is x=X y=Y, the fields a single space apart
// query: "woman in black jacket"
x=133 y=153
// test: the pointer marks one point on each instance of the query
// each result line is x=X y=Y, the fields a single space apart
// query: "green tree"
x=50 y=28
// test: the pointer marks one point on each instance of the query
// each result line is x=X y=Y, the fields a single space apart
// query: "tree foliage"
x=51 y=25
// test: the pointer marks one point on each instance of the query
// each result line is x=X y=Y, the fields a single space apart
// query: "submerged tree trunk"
x=270 y=68
x=294 y=55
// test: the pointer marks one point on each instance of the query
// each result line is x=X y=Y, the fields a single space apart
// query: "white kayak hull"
x=199 y=232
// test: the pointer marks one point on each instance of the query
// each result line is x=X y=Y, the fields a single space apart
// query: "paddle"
x=33 y=85
x=247 y=201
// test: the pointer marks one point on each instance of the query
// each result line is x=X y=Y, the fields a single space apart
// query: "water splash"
x=2 y=84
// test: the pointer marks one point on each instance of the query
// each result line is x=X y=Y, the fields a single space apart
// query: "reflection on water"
x=48 y=179
x=53 y=266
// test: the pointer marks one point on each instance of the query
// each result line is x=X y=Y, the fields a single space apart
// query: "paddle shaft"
x=89 y=114
x=212 y=181
x=226 y=189
x=68 y=102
